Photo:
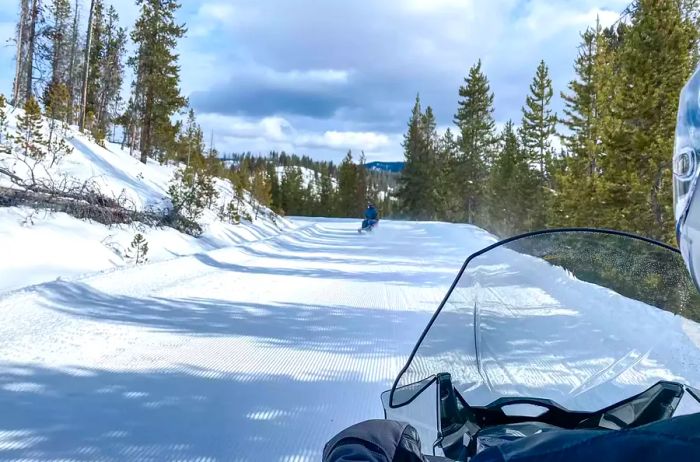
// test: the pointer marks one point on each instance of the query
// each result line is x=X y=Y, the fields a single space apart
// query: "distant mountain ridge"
x=395 y=167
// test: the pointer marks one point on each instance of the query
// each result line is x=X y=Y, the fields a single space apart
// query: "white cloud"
x=547 y=19
x=370 y=141
x=436 y=6
x=209 y=17
x=297 y=78
x=220 y=11
x=238 y=134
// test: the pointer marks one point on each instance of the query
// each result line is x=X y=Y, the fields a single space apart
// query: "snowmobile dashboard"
x=468 y=430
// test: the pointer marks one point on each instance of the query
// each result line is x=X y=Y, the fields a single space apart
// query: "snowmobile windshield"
x=585 y=318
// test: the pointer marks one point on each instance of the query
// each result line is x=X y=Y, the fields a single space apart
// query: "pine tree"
x=3 y=120
x=157 y=74
x=448 y=203
x=511 y=187
x=73 y=73
x=361 y=185
x=21 y=39
x=347 y=188
x=56 y=112
x=292 y=191
x=109 y=69
x=261 y=191
x=575 y=201
x=655 y=58
x=58 y=32
x=36 y=18
x=86 y=69
x=275 y=193
x=138 y=250
x=29 y=137
x=191 y=142
x=188 y=193
x=477 y=137
x=417 y=191
x=96 y=55
x=539 y=122
x=326 y=200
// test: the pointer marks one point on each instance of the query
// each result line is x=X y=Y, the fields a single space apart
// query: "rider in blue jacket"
x=371 y=216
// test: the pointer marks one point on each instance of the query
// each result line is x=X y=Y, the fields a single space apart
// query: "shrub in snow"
x=138 y=250
x=261 y=189
x=29 y=137
x=56 y=110
x=3 y=119
x=228 y=212
x=190 y=191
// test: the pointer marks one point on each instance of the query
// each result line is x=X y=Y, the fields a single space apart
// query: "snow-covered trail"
x=256 y=352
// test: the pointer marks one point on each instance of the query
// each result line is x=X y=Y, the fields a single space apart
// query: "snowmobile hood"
x=585 y=318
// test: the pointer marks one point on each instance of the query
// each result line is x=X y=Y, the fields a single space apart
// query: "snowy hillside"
x=40 y=246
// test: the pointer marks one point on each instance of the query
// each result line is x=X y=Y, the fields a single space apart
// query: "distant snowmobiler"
x=371 y=218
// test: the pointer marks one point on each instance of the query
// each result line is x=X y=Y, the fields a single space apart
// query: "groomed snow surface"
x=260 y=351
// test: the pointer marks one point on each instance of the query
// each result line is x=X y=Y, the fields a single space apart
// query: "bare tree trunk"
x=72 y=58
x=36 y=4
x=86 y=69
x=21 y=60
x=146 y=141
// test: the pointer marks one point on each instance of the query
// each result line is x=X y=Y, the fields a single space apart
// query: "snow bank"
x=39 y=246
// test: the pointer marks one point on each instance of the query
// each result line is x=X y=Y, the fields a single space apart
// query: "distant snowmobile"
x=371 y=219
x=554 y=345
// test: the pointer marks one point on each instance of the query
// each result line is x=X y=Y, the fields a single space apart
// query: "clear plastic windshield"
x=582 y=318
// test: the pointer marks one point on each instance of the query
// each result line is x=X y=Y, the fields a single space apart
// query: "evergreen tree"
x=326 y=193
x=275 y=193
x=190 y=194
x=73 y=72
x=157 y=74
x=96 y=56
x=191 y=142
x=3 y=120
x=292 y=191
x=347 y=188
x=417 y=190
x=138 y=250
x=261 y=191
x=58 y=33
x=56 y=112
x=477 y=137
x=655 y=58
x=29 y=136
x=575 y=201
x=361 y=185
x=511 y=186
x=107 y=67
x=539 y=122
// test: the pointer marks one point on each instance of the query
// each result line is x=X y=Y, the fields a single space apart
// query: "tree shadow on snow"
x=185 y=414
x=337 y=329
x=420 y=278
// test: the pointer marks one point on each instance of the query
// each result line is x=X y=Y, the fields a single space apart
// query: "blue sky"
x=319 y=77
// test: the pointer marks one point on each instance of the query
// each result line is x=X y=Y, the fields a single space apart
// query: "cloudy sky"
x=320 y=77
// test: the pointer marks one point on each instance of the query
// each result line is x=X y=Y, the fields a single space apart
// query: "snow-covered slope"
x=38 y=246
